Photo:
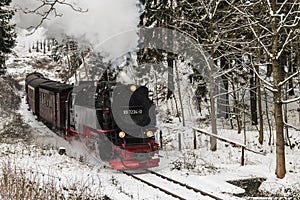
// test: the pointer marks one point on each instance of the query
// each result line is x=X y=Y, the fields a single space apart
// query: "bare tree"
x=48 y=8
x=279 y=28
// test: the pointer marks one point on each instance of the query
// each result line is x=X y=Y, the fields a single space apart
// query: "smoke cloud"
x=109 y=26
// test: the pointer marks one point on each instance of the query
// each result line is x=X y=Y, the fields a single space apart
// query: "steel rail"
x=173 y=181
x=154 y=186
x=184 y=185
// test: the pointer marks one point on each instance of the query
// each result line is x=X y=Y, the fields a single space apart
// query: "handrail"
x=234 y=143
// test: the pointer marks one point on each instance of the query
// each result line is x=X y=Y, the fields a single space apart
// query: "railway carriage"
x=32 y=92
x=116 y=121
x=52 y=98
x=31 y=77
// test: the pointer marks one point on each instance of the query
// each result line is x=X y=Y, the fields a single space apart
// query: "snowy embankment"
x=199 y=168
x=78 y=171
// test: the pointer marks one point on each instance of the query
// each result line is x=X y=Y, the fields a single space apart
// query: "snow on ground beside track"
x=224 y=164
x=79 y=167
x=199 y=168
x=68 y=170
x=47 y=166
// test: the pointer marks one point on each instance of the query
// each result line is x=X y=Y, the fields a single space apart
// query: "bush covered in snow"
x=20 y=184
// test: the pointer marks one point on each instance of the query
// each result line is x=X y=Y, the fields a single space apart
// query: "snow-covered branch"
x=281 y=7
x=46 y=8
x=294 y=25
x=270 y=8
x=288 y=78
x=226 y=72
x=287 y=15
x=291 y=126
x=231 y=92
x=268 y=85
x=215 y=8
x=265 y=28
x=257 y=37
x=286 y=42
x=290 y=100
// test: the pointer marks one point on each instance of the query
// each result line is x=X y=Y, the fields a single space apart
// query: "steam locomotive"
x=115 y=120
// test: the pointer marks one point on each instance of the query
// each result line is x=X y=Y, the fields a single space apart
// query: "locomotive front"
x=133 y=120
x=124 y=125
x=134 y=114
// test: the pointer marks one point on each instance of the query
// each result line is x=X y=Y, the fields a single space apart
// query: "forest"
x=253 y=46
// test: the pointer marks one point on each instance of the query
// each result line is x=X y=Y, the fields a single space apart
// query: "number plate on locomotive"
x=132 y=112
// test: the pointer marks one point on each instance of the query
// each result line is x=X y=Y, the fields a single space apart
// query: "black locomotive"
x=116 y=120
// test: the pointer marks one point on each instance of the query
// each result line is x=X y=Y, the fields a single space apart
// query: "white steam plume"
x=109 y=26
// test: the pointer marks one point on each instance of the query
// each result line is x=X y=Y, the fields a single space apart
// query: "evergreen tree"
x=7 y=33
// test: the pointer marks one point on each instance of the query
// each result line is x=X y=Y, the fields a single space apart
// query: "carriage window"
x=30 y=93
x=45 y=99
x=41 y=98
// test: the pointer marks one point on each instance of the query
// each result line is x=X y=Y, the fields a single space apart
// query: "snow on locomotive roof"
x=37 y=82
x=55 y=86
x=33 y=75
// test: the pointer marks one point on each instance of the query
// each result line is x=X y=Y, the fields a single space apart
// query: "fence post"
x=195 y=140
x=160 y=139
x=179 y=141
x=243 y=157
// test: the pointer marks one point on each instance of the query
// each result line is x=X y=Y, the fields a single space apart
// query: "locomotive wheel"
x=105 y=150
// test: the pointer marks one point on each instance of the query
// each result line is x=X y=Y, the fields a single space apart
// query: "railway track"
x=170 y=186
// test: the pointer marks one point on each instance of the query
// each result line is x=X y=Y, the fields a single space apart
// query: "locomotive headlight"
x=149 y=133
x=122 y=134
x=132 y=88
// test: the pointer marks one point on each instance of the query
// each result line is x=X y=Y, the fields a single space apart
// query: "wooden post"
x=195 y=140
x=37 y=46
x=243 y=157
x=160 y=139
x=44 y=47
x=62 y=151
x=179 y=141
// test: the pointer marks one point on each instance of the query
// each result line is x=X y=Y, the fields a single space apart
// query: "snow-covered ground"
x=199 y=168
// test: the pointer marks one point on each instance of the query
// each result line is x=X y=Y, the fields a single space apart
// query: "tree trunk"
x=225 y=66
x=260 y=111
x=213 y=141
x=280 y=151
x=291 y=70
x=277 y=76
x=288 y=141
x=267 y=116
x=179 y=94
x=297 y=61
x=171 y=87
x=236 y=110
x=253 y=99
